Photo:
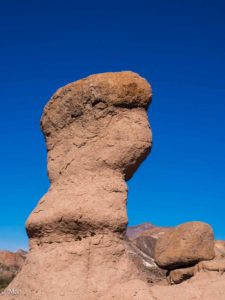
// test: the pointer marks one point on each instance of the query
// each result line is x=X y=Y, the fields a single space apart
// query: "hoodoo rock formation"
x=97 y=134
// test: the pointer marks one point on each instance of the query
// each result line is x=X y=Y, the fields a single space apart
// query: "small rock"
x=179 y=275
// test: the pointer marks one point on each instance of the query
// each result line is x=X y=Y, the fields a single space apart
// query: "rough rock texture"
x=141 y=241
x=216 y=265
x=146 y=264
x=179 y=275
x=203 y=286
x=185 y=245
x=219 y=249
x=144 y=237
x=10 y=265
x=97 y=134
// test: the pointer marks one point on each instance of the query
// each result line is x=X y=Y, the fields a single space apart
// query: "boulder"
x=185 y=245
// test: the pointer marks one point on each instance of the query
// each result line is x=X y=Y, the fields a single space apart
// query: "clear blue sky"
x=178 y=46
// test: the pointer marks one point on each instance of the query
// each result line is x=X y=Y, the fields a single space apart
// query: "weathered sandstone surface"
x=141 y=240
x=185 y=245
x=220 y=249
x=183 y=255
x=203 y=286
x=97 y=133
x=179 y=275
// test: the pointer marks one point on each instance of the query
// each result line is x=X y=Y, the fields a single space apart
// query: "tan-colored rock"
x=185 y=245
x=141 y=242
x=10 y=265
x=12 y=259
x=97 y=134
x=134 y=289
x=146 y=264
x=220 y=249
x=202 y=286
x=217 y=265
x=179 y=275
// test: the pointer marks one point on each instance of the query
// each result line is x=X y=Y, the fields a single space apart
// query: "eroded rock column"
x=97 y=134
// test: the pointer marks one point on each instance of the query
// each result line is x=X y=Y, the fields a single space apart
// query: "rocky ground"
x=184 y=281
x=176 y=252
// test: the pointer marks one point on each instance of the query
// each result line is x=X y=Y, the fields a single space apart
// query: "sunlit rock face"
x=97 y=134
x=185 y=245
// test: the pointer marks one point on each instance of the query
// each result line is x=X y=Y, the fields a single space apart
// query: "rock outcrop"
x=203 y=286
x=185 y=245
x=10 y=264
x=202 y=281
x=141 y=240
x=97 y=134
x=144 y=237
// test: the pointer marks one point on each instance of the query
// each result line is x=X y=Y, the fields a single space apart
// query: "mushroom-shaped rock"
x=97 y=134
